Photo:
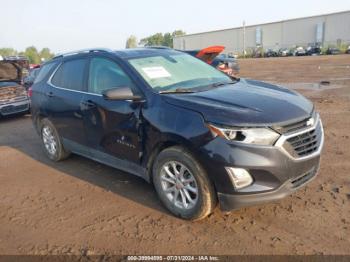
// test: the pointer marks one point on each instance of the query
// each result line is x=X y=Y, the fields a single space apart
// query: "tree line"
x=36 y=56
x=32 y=53
x=158 y=39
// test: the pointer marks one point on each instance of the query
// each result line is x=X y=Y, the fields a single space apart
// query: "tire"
x=52 y=142
x=192 y=178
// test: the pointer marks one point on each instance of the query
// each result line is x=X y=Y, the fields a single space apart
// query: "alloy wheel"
x=179 y=185
x=49 y=140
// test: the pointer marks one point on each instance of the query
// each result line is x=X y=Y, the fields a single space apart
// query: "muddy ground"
x=82 y=207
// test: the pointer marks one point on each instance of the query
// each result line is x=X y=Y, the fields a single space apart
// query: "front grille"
x=13 y=100
x=11 y=109
x=305 y=143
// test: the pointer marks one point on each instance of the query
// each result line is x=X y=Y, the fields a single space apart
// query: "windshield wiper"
x=177 y=91
x=222 y=84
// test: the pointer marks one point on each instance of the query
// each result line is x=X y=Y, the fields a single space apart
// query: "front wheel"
x=183 y=185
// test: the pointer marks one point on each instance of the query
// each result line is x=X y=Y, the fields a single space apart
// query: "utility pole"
x=244 y=38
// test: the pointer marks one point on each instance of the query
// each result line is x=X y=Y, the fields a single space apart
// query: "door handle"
x=50 y=94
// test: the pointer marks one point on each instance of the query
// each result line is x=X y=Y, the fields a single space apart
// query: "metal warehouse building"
x=329 y=29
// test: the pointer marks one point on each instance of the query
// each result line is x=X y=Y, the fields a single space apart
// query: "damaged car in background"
x=13 y=96
x=214 y=57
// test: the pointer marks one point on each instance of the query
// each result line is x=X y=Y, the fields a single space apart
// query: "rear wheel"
x=183 y=185
x=52 y=142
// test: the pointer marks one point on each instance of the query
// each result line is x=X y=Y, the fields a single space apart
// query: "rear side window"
x=44 y=70
x=70 y=75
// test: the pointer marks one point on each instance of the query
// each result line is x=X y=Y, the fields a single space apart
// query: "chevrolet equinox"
x=199 y=136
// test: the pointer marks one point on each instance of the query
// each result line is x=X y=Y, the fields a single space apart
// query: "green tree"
x=160 y=39
x=178 y=33
x=167 y=40
x=7 y=51
x=45 y=54
x=32 y=54
x=153 y=40
x=131 y=42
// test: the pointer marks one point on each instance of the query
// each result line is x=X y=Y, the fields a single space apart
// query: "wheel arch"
x=171 y=141
x=37 y=119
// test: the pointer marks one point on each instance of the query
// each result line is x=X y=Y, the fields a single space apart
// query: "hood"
x=246 y=103
x=10 y=71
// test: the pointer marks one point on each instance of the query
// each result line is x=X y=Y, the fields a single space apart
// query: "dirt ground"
x=81 y=207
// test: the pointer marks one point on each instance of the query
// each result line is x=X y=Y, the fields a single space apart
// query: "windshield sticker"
x=156 y=72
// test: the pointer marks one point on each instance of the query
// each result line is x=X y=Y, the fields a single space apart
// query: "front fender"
x=167 y=125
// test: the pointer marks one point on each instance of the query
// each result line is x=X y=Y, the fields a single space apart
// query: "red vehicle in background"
x=223 y=62
x=34 y=66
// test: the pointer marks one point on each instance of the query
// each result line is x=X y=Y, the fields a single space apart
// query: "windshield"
x=178 y=72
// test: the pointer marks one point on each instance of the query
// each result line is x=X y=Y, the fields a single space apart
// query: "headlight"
x=258 y=136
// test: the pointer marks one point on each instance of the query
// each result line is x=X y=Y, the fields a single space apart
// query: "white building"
x=329 y=29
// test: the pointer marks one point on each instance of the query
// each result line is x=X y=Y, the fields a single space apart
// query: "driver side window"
x=105 y=74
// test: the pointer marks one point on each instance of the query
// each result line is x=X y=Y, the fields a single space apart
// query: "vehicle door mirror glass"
x=120 y=93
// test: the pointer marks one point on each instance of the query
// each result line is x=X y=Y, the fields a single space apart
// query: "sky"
x=64 y=25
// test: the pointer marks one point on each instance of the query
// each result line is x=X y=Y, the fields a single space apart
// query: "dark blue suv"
x=198 y=135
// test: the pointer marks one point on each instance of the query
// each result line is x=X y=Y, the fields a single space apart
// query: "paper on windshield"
x=156 y=72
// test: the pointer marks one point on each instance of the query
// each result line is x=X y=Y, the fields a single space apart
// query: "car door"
x=64 y=97
x=112 y=127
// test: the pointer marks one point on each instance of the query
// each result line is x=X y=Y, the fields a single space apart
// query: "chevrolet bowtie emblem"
x=310 y=122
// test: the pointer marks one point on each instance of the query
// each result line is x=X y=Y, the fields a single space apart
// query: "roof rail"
x=15 y=57
x=158 y=47
x=89 y=50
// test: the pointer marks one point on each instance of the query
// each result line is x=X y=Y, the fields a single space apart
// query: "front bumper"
x=275 y=171
x=231 y=202
x=14 y=107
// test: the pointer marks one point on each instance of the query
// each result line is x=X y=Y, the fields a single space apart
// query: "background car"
x=299 y=51
x=22 y=61
x=33 y=66
x=13 y=96
x=348 y=50
x=284 y=52
x=270 y=53
x=211 y=55
x=313 y=50
x=29 y=79
x=333 y=51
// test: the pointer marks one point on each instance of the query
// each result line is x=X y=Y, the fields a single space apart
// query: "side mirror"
x=120 y=93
